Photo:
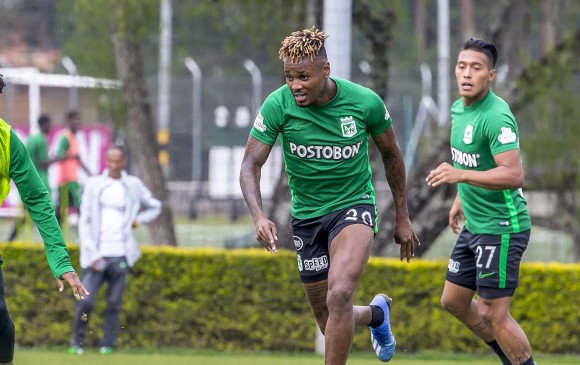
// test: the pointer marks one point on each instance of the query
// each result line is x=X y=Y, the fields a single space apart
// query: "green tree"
x=546 y=97
x=107 y=35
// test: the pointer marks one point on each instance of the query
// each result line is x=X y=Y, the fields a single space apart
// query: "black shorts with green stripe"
x=488 y=263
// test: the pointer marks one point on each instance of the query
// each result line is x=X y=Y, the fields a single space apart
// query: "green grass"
x=58 y=356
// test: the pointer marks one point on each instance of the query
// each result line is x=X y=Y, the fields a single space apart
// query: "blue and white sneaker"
x=381 y=337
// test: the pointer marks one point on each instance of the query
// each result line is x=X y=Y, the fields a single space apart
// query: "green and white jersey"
x=325 y=147
x=478 y=132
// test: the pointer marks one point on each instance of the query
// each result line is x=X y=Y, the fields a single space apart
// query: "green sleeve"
x=267 y=124
x=378 y=117
x=32 y=148
x=37 y=202
x=63 y=146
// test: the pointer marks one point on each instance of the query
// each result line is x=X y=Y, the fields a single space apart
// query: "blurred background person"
x=113 y=204
x=37 y=147
x=69 y=162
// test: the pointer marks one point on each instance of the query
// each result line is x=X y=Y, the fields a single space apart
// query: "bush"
x=249 y=300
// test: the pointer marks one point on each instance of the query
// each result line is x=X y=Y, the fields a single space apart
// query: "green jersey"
x=37 y=147
x=325 y=148
x=37 y=202
x=478 y=132
x=62 y=147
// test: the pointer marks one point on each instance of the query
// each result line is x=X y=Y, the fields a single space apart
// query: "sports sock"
x=529 y=361
x=377 y=316
x=495 y=347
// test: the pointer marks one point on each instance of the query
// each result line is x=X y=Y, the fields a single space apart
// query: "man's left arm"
x=151 y=206
x=394 y=165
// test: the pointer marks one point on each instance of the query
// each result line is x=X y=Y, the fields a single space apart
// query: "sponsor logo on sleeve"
x=387 y=115
x=259 y=123
x=507 y=135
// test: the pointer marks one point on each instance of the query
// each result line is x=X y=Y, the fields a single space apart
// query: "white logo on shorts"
x=453 y=266
x=298 y=243
x=299 y=259
x=316 y=263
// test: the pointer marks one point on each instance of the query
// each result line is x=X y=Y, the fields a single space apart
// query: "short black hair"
x=115 y=146
x=483 y=46
x=44 y=119
x=72 y=115
x=2 y=83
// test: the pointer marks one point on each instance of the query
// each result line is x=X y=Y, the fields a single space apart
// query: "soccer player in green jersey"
x=15 y=165
x=324 y=126
x=37 y=147
x=488 y=171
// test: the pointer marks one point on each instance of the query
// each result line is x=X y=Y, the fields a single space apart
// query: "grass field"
x=58 y=356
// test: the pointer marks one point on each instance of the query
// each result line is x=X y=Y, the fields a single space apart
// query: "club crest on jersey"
x=348 y=126
x=468 y=134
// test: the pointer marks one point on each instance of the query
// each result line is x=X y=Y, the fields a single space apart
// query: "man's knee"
x=114 y=307
x=492 y=313
x=340 y=298
x=454 y=306
x=86 y=305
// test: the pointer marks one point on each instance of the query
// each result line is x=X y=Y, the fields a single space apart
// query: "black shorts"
x=488 y=263
x=312 y=238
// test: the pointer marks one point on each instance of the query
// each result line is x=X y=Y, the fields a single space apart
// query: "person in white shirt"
x=112 y=204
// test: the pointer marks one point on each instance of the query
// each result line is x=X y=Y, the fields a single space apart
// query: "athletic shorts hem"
x=495 y=293
x=457 y=282
x=314 y=278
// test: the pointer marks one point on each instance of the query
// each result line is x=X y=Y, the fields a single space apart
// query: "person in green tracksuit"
x=487 y=169
x=15 y=165
x=37 y=147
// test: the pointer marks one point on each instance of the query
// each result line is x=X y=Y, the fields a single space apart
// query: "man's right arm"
x=61 y=149
x=89 y=251
x=394 y=165
x=255 y=156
